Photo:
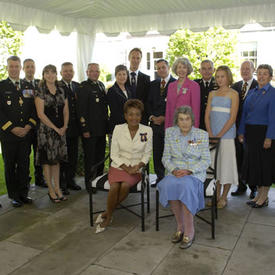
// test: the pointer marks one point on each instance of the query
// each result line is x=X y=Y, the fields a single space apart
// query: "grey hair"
x=186 y=110
x=208 y=61
x=251 y=63
x=266 y=67
x=184 y=61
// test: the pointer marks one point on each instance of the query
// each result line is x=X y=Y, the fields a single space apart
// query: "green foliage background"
x=216 y=44
x=10 y=44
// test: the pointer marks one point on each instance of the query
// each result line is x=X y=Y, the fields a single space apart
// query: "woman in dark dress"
x=117 y=95
x=52 y=109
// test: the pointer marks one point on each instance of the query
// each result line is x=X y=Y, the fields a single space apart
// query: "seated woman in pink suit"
x=182 y=92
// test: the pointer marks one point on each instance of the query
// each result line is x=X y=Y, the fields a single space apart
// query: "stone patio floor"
x=46 y=238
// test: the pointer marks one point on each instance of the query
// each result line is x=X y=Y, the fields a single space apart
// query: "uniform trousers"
x=16 y=156
x=94 y=152
x=38 y=171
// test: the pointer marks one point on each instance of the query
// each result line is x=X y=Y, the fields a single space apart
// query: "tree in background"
x=216 y=44
x=10 y=44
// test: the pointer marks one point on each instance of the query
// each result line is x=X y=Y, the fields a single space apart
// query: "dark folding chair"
x=101 y=184
x=210 y=190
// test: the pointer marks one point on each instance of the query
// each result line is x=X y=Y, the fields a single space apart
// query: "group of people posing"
x=174 y=118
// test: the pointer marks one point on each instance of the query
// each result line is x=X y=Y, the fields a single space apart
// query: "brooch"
x=184 y=91
x=143 y=137
x=194 y=142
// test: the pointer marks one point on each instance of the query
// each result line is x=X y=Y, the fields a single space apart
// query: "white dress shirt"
x=135 y=76
x=249 y=82
x=128 y=151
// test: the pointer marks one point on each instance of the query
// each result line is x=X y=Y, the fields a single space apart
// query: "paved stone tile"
x=196 y=260
x=17 y=220
x=99 y=270
x=12 y=256
x=74 y=253
x=254 y=252
x=139 y=252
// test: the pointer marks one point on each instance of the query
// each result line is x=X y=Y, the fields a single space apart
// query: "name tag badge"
x=9 y=102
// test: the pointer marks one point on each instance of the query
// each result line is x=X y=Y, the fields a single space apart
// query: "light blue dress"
x=185 y=152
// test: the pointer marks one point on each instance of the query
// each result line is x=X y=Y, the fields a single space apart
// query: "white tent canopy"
x=88 y=17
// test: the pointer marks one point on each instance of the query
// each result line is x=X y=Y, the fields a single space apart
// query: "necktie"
x=133 y=84
x=17 y=85
x=163 y=84
x=207 y=85
x=243 y=92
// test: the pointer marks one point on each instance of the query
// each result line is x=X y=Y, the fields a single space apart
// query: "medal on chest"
x=21 y=101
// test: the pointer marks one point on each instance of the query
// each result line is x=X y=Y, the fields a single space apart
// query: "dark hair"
x=266 y=67
x=120 y=68
x=135 y=50
x=46 y=69
x=228 y=73
x=162 y=60
x=28 y=60
x=14 y=58
x=66 y=64
x=208 y=61
x=133 y=103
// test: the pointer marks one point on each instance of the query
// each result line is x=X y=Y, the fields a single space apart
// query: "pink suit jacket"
x=189 y=94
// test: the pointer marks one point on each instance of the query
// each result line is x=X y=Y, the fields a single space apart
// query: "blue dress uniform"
x=92 y=112
x=16 y=110
x=38 y=171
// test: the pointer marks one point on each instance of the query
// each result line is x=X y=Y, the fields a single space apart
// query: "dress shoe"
x=65 y=191
x=177 y=237
x=0 y=205
x=186 y=242
x=250 y=203
x=264 y=204
x=154 y=185
x=74 y=187
x=26 y=200
x=100 y=229
x=239 y=192
x=16 y=203
x=252 y=194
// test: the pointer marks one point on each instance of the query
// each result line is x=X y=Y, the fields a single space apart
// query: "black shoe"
x=252 y=194
x=16 y=203
x=74 y=187
x=250 y=203
x=264 y=204
x=26 y=200
x=154 y=185
x=41 y=183
x=0 y=205
x=239 y=192
x=65 y=191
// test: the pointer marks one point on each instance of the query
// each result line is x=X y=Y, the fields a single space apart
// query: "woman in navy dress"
x=186 y=157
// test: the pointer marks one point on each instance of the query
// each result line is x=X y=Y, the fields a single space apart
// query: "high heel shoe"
x=54 y=200
x=63 y=198
x=264 y=204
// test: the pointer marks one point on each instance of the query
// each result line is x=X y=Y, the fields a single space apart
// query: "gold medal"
x=9 y=102
x=21 y=101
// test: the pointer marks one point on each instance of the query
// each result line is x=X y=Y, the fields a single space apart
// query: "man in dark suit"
x=92 y=112
x=17 y=118
x=31 y=83
x=207 y=84
x=138 y=81
x=156 y=107
x=68 y=169
x=242 y=87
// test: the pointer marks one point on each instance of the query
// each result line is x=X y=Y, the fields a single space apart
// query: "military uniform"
x=16 y=110
x=92 y=113
x=67 y=170
x=38 y=171
x=204 y=97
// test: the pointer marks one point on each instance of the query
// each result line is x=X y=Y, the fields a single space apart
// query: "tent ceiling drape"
x=88 y=17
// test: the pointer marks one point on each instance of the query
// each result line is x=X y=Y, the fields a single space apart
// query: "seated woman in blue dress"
x=186 y=157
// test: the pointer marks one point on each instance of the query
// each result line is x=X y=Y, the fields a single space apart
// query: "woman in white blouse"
x=131 y=150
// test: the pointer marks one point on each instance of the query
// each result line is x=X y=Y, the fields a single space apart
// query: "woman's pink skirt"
x=117 y=175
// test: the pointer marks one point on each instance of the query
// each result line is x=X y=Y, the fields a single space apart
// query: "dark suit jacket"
x=142 y=92
x=238 y=87
x=204 y=98
x=156 y=103
x=116 y=99
x=73 y=125
x=16 y=109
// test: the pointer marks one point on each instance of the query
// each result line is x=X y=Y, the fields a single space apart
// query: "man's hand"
x=158 y=120
x=86 y=135
x=19 y=131
x=267 y=143
x=241 y=138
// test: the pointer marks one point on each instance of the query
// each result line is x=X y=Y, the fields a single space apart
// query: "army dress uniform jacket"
x=17 y=109
x=92 y=108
